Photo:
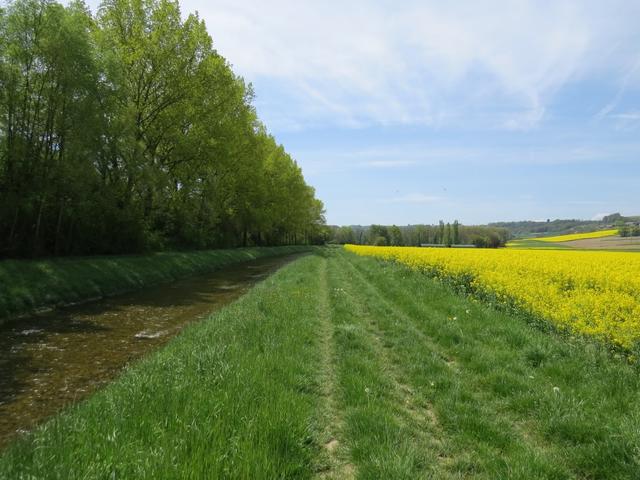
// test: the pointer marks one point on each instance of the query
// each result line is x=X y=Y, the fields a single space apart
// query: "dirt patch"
x=606 y=243
x=331 y=445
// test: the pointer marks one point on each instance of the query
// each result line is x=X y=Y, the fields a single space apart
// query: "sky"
x=415 y=111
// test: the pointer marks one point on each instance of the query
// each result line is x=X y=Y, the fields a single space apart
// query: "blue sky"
x=415 y=111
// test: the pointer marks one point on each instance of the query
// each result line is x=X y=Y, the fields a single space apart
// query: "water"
x=51 y=360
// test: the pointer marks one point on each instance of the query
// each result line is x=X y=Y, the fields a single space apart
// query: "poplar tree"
x=456 y=233
x=128 y=132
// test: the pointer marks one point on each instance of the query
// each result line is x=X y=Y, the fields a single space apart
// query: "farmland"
x=597 y=240
x=345 y=366
x=606 y=243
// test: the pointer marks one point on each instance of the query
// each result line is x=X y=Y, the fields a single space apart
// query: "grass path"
x=345 y=367
x=334 y=463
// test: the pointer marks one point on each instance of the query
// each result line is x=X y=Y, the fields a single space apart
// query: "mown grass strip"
x=383 y=438
x=518 y=402
x=234 y=396
x=26 y=285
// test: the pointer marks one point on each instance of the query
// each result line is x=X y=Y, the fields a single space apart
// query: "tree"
x=378 y=234
x=456 y=233
x=395 y=236
x=447 y=236
x=48 y=122
x=345 y=235
x=129 y=132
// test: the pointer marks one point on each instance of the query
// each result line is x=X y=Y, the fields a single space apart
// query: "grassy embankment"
x=340 y=366
x=26 y=285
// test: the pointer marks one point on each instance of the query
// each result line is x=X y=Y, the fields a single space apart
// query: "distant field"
x=607 y=243
x=577 y=236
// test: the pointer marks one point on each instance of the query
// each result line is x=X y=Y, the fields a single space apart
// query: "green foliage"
x=456 y=232
x=379 y=241
x=395 y=236
x=416 y=235
x=344 y=235
x=630 y=231
x=448 y=236
x=128 y=132
x=379 y=235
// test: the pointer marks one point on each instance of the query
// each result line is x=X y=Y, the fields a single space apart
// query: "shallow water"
x=51 y=360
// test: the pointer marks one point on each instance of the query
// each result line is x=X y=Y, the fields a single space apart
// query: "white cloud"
x=418 y=62
x=362 y=62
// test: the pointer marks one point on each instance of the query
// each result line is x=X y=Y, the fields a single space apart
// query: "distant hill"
x=528 y=228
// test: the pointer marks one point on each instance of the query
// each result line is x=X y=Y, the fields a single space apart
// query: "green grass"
x=26 y=285
x=346 y=367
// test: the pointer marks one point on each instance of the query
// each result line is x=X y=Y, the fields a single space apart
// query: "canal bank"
x=27 y=286
x=52 y=360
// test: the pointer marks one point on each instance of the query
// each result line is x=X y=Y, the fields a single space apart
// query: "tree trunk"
x=56 y=247
x=36 y=235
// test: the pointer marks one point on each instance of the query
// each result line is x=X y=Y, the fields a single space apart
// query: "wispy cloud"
x=628 y=78
x=365 y=62
x=421 y=62
x=627 y=116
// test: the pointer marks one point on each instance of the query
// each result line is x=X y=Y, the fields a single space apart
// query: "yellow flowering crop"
x=577 y=236
x=596 y=293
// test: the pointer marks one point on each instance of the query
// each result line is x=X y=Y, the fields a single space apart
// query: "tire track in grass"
x=415 y=408
x=334 y=463
x=387 y=432
x=531 y=451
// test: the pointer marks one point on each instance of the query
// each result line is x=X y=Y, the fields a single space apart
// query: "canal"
x=51 y=360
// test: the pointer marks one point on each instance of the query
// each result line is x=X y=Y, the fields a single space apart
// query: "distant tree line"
x=627 y=226
x=126 y=131
x=630 y=231
x=447 y=235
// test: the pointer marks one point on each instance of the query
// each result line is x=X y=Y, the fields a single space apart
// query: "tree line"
x=125 y=131
x=447 y=235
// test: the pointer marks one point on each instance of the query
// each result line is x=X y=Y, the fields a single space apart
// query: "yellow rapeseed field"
x=577 y=236
x=596 y=293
